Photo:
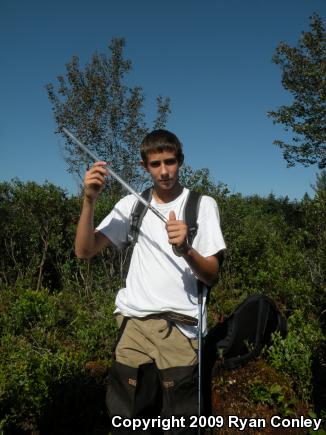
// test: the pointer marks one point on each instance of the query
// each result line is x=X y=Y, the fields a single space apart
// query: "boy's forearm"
x=85 y=238
x=206 y=268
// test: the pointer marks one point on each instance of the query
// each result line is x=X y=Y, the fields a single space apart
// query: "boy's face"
x=164 y=168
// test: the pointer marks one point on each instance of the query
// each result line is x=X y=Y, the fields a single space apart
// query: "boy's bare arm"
x=89 y=242
x=206 y=268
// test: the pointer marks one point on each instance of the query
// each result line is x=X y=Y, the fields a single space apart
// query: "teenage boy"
x=157 y=310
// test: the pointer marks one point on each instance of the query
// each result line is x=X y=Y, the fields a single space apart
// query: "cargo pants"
x=154 y=373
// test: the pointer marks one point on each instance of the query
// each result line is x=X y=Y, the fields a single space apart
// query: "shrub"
x=294 y=354
x=46 y=342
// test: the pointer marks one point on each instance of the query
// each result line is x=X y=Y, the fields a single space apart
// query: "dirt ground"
x=255 y=391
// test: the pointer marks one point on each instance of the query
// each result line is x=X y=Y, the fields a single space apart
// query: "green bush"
x=46 y=341
x=48 y=335
x=294 y=354
x=273 y=396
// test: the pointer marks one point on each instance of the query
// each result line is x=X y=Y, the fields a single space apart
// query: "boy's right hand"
x=94 y=180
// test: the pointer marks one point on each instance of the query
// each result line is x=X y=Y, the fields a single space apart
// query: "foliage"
x=320 y=185
x=53 y=323
x=38 y=225
x=294 y=354
x=275 y=247
x=304 y=75
x=201 y=181
x=46 y=340
x=98 y=107
x=273 y=396
x=322 y=430
x=37 y=239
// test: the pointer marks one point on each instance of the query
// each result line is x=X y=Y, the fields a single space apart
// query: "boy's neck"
x=162 y=196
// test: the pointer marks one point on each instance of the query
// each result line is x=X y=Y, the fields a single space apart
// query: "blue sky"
x=212 y=58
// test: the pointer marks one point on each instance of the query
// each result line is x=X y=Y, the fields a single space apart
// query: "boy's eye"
x=154 y=164
x=167 y=162
x=170 y=162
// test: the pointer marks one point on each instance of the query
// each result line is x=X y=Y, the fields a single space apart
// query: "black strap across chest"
x=190 y=215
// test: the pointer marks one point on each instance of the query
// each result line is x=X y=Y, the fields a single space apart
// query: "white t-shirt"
x=158 y=280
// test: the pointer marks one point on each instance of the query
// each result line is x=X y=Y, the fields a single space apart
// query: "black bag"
x=241 y=337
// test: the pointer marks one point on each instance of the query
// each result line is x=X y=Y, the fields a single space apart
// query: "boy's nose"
x=163 y=169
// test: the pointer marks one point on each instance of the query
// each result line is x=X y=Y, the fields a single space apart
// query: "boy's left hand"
x=177 y=230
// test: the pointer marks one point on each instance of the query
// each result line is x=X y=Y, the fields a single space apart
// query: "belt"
x=174 y=317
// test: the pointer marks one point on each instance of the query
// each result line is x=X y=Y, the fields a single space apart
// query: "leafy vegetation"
x=273 y=396
x=303 y=74
x=47 y=340
x=56 y=313
x=294 y=354
x=97 y=105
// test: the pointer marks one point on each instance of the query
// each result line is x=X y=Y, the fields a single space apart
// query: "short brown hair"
x=159 y=141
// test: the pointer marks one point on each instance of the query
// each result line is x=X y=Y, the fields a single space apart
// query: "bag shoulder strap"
x=137 y=216
x=190 y=215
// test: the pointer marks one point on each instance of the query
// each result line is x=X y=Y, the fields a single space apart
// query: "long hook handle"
x=116 y=176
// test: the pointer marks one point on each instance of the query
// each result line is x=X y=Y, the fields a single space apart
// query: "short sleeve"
x=115 y=226
x=209 y=239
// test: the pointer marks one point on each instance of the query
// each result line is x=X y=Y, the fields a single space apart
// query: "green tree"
x=103 y=112
x=304 y=75
x=320 y=185
x=200 y=180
